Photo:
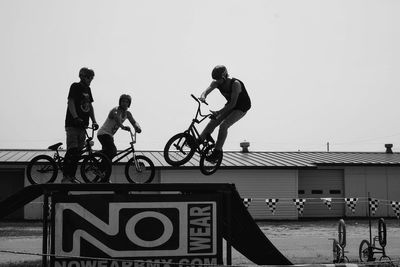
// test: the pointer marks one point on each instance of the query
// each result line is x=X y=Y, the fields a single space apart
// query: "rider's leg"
x=212 y=124
x=107 y=145
x=231 y=119
x=75 y=143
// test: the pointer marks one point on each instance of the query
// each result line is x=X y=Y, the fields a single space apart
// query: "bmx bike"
x=44 y=168
x=182 y=146
x=139 y=169
x=368 y=249
x=339 y=244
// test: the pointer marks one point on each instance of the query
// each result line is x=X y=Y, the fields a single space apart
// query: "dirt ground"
x=301 y=241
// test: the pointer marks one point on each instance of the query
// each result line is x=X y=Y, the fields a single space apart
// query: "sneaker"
x=215 y=156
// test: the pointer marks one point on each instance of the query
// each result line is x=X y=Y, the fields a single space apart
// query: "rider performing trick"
x=238 y=103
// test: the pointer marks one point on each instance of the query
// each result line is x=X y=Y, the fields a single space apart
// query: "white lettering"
x=131 y=233
x=88 y=263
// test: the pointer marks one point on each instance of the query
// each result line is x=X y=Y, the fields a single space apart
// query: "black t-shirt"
x=243 y=102
x=82 y=97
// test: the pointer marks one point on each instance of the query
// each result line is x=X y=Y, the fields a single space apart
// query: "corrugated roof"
x=245 y=160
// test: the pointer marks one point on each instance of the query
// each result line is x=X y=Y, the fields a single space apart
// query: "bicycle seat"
x=55 y=146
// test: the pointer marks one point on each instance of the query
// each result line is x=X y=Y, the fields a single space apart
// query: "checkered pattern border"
x=271 y=203
x=299 y=202
x=351 y=203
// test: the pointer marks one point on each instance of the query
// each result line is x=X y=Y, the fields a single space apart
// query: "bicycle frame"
x=130 y=150
x=87 y=148
x=192 y=130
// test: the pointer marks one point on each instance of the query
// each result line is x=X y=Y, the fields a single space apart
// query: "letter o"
x=168 y=229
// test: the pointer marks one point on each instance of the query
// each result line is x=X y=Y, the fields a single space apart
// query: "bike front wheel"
x=209 y=167
x=364 y=251
x=42 y=169
x=140 y=170
x=95 y=168
x=179 y=149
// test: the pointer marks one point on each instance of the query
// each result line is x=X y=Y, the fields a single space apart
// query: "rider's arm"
x=236 y=89
x=208 y=90
x=134 y=122
x=91 y=114
x=72 y=108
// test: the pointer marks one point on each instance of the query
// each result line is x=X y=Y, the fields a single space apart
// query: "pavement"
x=303 y=242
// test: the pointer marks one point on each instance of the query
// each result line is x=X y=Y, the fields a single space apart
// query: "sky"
x=316 y=71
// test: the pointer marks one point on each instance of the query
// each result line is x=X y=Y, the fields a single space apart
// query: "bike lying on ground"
x=182 y=146
x=368 y=250
x=139 y=169
x=339 y=244
x=44 y=168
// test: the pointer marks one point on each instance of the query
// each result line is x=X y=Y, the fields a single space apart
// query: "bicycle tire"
x=363 y=251
x=95 y=168
x=38 y=167
x=179 y=149
x=342 y=233
x=382 y=232
x=143 y=175
x=336 y=251
x=207 y=167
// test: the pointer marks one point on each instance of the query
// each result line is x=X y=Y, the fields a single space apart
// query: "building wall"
x=250 y=183
x=259 y=184
x=380 y=182
x=315 y=184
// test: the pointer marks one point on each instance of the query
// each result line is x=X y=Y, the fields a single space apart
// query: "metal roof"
x=236 y=159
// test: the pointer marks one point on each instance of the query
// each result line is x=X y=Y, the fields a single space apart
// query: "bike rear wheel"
x=342 y=233
x=364 y=251
x=336 y=251
x=42 y=169
x=95 y=168
x=179 y=149
x=207 y=167
x=140 y=172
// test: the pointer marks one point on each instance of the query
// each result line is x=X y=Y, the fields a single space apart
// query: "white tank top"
x=111 y=126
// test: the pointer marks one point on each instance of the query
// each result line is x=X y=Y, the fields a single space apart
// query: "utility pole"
x=327 y=146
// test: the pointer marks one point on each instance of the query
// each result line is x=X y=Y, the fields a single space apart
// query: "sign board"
x=136 y=230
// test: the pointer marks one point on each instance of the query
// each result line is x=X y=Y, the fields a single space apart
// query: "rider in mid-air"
x=238 y=103
x=114 y=121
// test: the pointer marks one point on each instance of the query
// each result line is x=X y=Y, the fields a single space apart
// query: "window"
x=334 y=192
x=317 y=192
x=301 y=192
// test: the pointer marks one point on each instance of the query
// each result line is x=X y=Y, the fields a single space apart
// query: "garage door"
x=11 y=181
x=317 y=184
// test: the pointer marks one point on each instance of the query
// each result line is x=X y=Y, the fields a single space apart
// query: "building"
x=279 y=177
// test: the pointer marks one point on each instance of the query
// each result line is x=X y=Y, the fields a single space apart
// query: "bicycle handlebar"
x=133 y=136
x=198 y=100
x=198 y=107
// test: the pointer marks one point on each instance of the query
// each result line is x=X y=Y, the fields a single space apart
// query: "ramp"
x=247 y=237
x=238 y=225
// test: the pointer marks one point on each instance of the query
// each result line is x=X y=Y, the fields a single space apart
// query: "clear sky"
x=316 y=71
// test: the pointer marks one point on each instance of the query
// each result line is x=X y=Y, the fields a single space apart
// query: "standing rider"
x=79 y=109
x=238 y=103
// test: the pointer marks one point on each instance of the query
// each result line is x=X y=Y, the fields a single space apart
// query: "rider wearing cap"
x=114 y=121
x=238 y=103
